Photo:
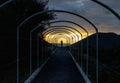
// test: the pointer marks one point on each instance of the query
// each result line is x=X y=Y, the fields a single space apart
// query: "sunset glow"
x=56 y=35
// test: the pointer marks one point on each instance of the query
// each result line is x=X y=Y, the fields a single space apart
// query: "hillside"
x=106 y=40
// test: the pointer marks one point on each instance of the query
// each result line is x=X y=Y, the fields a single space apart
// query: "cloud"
x=96 y=13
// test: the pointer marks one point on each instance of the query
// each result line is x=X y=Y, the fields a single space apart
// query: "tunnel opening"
x=62 y=35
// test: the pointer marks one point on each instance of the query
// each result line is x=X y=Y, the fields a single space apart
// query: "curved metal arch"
x=59 y=11
x=61 y=36
x=67 y=27
x=87 y=50
x=71 y=28
x=91 y=0
x=78 y=46
x=107 y=7
x=69 y=22
x=60 y=21
x=65 y=34
x=96 y=1
x=5 y=3
x=65 y=31
x=58 y=34
x=53 y=32
x=30 y=38
x=39 y=13
x=31 y=47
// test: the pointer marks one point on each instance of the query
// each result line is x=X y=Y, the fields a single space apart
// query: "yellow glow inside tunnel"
x=62 y=39
x=68 y=37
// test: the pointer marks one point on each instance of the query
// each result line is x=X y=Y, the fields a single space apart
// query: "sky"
x=103 y=19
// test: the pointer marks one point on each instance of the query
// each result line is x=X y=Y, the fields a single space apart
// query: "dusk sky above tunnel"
x=100 y=16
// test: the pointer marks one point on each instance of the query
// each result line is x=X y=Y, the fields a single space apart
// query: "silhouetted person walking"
x=61 y=43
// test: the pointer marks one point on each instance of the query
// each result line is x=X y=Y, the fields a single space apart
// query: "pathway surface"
x=59 y=69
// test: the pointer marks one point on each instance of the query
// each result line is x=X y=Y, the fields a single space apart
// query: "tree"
x=11 y=15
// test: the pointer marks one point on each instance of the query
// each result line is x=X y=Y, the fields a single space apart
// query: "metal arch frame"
x=65 y=37
x=78 y=46
x=58 y=34
x=62 y=29
x=78 y=49
x=59 y=11
x=107 y=7
x=32 y=31
x=96 y=1
x=31 y=49
x=61 y=36
x=65 y=34
x=76 y=37
x=62 y=11
x=66 y=27
x=79 y=40
x=60 y=21
x=5 y=3
x=60 y=26
x=53 y=36
x=70 y=28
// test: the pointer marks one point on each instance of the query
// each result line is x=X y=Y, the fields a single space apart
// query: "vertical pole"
x=17 y=57
x=97 y=57
x=81 y=53
x=73 y=46
x=30 y=54
x=79 y=48
x=78 y=53
x=38 y=61
x=87 y=54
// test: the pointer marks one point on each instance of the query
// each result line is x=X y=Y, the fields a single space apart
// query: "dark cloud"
x=96 y=13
